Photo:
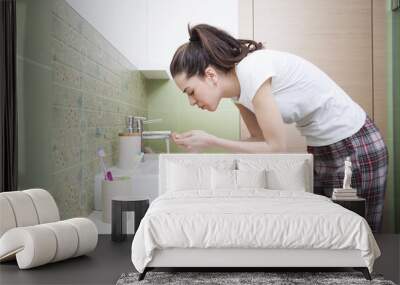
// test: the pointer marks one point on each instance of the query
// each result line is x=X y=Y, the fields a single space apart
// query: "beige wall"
x=343 y=38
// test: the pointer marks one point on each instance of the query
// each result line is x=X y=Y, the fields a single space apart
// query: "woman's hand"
x=194 y=141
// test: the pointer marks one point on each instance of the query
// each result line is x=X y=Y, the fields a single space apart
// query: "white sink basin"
x=144 y=179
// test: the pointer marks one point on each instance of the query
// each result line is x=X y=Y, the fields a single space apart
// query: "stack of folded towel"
x=344 y=194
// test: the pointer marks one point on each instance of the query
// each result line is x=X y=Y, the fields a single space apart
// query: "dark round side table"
x=121 y=205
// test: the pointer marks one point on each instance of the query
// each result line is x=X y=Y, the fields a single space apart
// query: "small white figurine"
x=347 y=174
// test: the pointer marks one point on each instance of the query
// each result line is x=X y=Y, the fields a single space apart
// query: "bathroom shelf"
x=154 y=73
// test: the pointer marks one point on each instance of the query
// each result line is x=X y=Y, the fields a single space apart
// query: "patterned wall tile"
x=65 y=75
x=94 y=89
x=67 y=97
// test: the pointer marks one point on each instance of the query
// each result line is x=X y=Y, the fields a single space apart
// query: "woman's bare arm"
x=251 y=123
x=266 y=125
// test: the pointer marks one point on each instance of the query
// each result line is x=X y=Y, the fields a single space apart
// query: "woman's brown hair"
x=209 y=45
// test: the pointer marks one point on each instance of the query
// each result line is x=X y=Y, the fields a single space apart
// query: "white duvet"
x=251 y=218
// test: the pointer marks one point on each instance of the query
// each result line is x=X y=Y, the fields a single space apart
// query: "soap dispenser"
x=130 y=145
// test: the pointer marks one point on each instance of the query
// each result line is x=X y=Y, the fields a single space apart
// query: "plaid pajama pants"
x=369 y=158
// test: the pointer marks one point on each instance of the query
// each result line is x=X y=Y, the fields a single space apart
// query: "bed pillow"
x=279 y=180
x=282 y=174
x=226 y=179
x=223 y=179
x=188 y=177
x=251 y=178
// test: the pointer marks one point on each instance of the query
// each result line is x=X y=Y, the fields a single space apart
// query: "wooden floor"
x=111 y=259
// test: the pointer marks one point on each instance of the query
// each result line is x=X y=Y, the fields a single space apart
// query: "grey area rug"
x=231 y=278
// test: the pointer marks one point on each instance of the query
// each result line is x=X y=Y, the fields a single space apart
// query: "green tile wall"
x=74 y=92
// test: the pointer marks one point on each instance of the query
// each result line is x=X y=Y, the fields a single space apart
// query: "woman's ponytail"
x=210 y=46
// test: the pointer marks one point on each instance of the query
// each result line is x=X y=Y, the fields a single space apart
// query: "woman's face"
x=205 y=92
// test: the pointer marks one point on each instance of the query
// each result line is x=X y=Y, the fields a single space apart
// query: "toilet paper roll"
x=129 y=150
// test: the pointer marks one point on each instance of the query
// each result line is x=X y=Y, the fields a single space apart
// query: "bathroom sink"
x=144 y=179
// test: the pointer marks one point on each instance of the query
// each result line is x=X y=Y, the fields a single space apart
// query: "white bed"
x=203 y=221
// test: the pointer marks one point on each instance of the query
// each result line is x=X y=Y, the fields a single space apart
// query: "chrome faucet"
x=135 y=125
x=138 y=124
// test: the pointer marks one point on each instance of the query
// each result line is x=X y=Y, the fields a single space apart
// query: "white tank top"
x=305 y=95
